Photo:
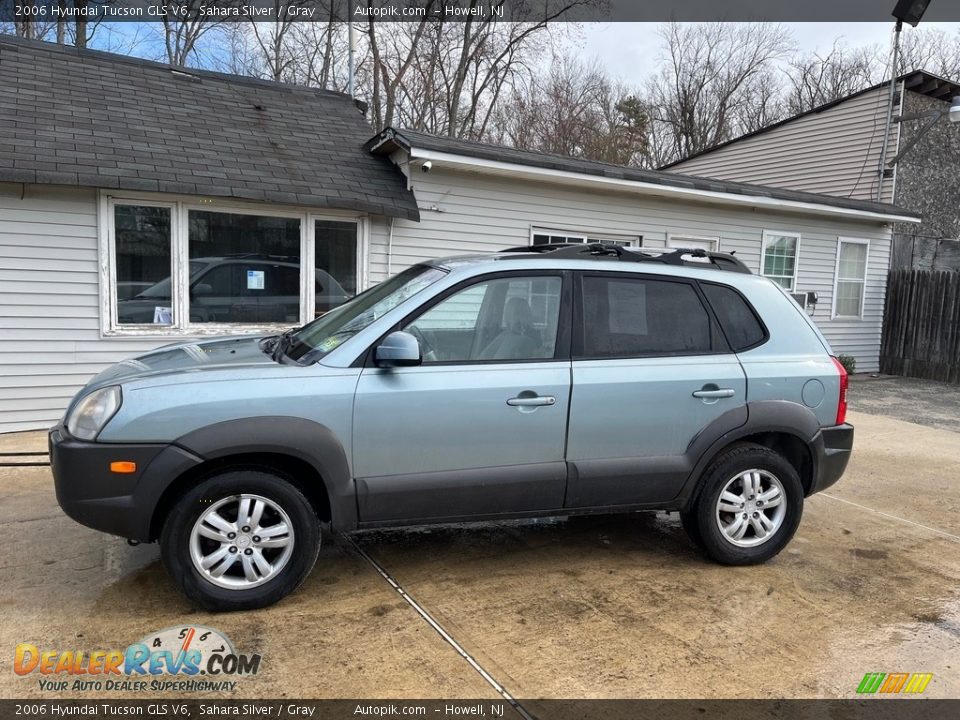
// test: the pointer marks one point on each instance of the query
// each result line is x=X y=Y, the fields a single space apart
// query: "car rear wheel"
x=749 y=506
x=240 y=540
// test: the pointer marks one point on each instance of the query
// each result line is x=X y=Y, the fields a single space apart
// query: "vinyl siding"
x=835 y=152
x=471 y=212
x=50 y=342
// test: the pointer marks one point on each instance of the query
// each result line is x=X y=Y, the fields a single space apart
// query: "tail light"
x=844 y=381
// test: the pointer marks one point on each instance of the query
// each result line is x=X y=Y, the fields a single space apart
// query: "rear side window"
x=629 y=317
x=739 y=322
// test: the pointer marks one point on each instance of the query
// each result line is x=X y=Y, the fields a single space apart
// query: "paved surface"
x=598 y=607
x=926 y=402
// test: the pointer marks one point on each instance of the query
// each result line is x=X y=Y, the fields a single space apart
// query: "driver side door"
x=479 y=428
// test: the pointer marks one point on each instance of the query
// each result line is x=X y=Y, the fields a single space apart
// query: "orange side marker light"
x=124 y=467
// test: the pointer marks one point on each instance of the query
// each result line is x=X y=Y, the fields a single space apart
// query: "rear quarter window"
x=739 y=320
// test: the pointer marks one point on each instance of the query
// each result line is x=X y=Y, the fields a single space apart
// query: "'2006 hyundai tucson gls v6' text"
x=550 y=380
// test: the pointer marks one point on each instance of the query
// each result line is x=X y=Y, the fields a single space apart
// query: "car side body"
x=472 y=437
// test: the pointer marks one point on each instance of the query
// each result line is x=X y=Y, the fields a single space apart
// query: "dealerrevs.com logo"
x=191 y=658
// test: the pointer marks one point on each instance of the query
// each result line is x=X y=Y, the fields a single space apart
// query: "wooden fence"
x=921 y=325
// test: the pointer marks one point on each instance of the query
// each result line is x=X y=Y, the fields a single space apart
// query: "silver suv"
x=549 y=380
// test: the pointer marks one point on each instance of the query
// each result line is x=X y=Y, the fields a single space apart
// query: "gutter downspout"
x=390 y=250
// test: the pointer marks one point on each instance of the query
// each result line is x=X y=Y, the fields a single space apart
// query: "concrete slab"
x=596 y=607
x=345 y=634
x=625 y=607
x=23 y=442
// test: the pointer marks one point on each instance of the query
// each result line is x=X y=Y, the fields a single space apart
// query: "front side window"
x=639 y=317
x=506 y=319
x=141 y=257
x=780 y=258
x=851 y=278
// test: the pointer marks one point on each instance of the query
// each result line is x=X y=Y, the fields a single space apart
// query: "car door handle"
x=717 y=393
x=535 y=401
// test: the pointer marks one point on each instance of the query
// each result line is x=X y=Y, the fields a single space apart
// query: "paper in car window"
x=628 y=307
x=255 y=279
x=161 y=315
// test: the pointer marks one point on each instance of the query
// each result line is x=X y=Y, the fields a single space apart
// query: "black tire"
x=689 y=521
x=721 y=471
x=176 y=533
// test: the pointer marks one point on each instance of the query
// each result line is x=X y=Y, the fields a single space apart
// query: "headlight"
x=93 y=412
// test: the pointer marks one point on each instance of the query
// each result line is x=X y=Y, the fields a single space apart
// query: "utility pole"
x=894 y=70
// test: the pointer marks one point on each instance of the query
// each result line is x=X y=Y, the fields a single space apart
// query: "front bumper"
x=120 y=504
x=832 y=447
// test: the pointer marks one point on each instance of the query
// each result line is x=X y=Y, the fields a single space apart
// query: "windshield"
x=339 y=325
x=162 y=288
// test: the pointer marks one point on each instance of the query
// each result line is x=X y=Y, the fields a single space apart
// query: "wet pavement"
x=619 y=606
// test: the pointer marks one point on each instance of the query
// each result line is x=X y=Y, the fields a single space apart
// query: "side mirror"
x=202 y=289
x=398 y=349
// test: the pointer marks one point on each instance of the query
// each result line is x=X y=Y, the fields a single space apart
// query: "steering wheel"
x=427 y=350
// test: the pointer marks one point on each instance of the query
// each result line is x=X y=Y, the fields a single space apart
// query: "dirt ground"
x=612 y=607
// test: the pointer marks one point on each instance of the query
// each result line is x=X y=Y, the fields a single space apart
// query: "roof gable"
x=87 y=118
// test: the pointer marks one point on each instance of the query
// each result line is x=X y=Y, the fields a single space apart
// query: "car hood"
x=197 y=356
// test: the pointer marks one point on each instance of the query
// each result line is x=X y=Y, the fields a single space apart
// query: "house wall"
x=928 y=182
x=468 y=212
x=835 y=152
x=50 y=342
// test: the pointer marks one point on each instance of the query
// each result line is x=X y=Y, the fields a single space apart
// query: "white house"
x=142 y=204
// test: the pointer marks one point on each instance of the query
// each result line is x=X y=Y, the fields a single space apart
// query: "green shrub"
x=849 y=362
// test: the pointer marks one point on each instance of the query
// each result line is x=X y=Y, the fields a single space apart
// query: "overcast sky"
x=630 y=50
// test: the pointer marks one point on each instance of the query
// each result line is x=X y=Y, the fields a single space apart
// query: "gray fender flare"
x=779 y=416
x=311 y=442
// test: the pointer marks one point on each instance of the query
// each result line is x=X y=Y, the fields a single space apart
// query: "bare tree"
x=575 y=110
x=706 y=80
x=817 y=79
x=184 y=25
x=933 y=50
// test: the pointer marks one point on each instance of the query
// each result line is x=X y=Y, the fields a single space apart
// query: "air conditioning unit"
x=806 y=300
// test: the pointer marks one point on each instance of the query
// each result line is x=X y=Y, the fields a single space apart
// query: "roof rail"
x=609 y=251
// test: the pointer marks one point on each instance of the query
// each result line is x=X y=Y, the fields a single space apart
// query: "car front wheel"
x=749 y=507
x=240 y=540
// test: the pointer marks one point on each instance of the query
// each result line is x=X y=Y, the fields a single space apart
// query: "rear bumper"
x=832 y=447
x=120 y=504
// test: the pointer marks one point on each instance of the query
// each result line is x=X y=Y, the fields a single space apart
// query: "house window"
x=175 y=268
x=142 y=261
x=542 y=236
x=851 y=277
x=780 y=253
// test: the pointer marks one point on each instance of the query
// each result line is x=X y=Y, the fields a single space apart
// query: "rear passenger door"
x=651 y=370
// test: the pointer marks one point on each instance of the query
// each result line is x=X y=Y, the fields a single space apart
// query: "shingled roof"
x=391 y=139
x=94 y=119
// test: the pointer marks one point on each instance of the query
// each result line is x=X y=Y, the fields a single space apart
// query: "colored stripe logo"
x=892 y=683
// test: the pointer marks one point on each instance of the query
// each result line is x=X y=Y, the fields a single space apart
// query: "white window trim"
x=715 y=239
x=180 y=206
x=767 y=234
x=633 y=240
x=836 y=278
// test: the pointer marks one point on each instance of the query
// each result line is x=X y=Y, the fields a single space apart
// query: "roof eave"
x=468 y=162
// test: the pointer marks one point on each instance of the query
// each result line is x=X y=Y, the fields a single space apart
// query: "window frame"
x=180 y=208
x=718 y=341
x=767 y=235
x=713 y=239
x=588 y=237
x=561 y=350
x=837 y=279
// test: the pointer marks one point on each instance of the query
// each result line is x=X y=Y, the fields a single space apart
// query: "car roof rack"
x=609 y=251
